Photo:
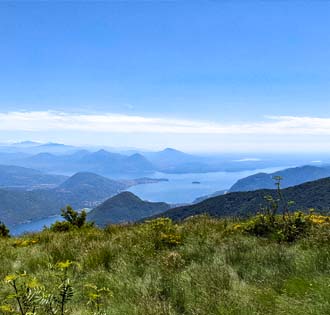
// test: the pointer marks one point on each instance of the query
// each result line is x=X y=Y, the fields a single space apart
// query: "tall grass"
x=200 y=267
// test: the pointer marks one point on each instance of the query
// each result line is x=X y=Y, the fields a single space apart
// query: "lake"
x=179 y=189
x=34 y=226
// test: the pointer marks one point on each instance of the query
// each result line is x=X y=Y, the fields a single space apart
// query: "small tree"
x=74 y=217
x=73 y=220
x=4 y=231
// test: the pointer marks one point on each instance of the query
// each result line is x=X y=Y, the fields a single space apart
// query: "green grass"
x=204 y=268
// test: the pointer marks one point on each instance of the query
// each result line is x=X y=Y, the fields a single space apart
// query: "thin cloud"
x=38 y=121
x=248 y=160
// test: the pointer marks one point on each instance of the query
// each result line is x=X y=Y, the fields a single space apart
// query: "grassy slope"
x=211 y=272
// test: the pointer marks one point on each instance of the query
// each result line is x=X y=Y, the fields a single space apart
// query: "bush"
x=4 y=231
x=270 y=223
x=164 y=233
x=287 y=228
x=63 y=226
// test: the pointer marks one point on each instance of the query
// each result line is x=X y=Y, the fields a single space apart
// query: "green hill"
x=82 y=190
x=125 y=207
x=315 y=194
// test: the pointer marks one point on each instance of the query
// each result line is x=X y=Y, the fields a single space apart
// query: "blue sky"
x=197 y=75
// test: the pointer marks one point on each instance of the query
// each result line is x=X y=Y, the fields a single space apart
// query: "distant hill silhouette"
x=291 y=177
x=170 y=158
x=215 y=194
x=21 y=177
x=92 y=185
x=101 y=162
x=31 y=147
x=174 y=161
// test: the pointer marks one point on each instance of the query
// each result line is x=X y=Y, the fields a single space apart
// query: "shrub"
x=4 y=231
x=270 y=223
x=64 y=226
x=288 y=227
x=164 y=233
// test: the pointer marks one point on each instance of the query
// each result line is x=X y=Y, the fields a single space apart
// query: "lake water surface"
x=178 y=189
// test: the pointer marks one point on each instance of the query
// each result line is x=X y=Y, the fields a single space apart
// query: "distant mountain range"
x=60 y=158
x=315 y=194
x=109 y=163
x=66 y=159
x=125 y=207
x=101 y=162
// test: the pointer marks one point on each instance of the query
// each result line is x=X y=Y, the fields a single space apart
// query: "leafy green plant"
x=29 y=297
x=65 y=289
x=25 y=291
x=97 y=298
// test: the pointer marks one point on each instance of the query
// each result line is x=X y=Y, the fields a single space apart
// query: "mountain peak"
x=101 y=151
x=88 y=178
x=127 y=196
x=137 y=156
x=104 y=154
x=171 y=150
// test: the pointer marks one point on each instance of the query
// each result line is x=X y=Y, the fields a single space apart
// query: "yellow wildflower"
x=11 y=278
x=64 y=264
x=6 y=309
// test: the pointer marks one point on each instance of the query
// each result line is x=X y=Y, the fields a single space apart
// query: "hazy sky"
x=196 y=75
